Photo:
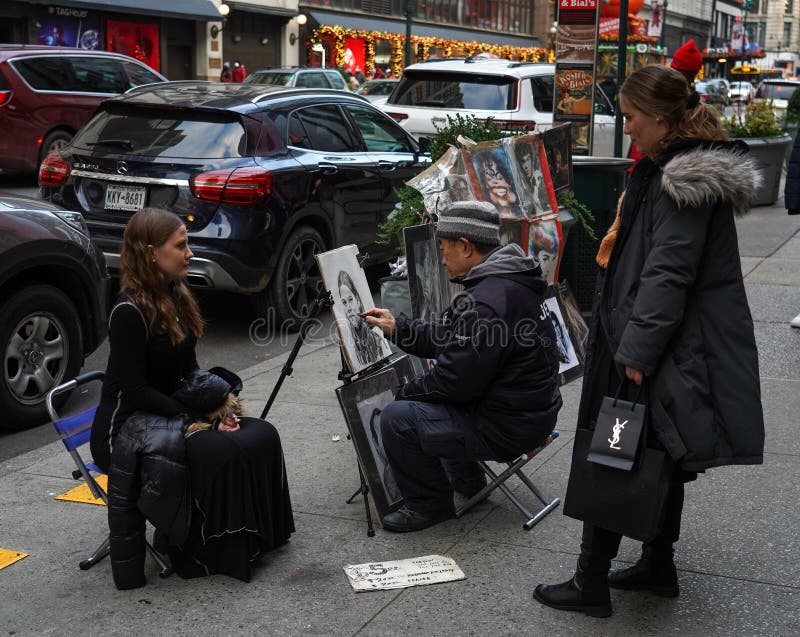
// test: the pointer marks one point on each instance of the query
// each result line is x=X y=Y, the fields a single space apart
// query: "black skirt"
x=241 y=504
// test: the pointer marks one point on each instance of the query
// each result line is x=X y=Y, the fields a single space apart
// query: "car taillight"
x=5 y=97
x=240 y=186
x=398 y=117
x=54 y=171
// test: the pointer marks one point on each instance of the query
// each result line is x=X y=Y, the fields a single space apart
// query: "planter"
x=599 y=182
x=769 y=153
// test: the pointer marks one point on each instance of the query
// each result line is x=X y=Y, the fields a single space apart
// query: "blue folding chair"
x=75 y=431
x=497 y=481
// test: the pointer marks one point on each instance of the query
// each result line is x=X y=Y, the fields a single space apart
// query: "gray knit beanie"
x=476 y=221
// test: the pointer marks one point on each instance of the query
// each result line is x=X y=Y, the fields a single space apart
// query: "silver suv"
x=299 y=77
x=517 y=93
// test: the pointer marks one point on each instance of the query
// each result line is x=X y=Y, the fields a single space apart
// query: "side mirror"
x=425 y=145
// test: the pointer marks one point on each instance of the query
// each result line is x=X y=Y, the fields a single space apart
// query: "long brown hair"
x=662 y=91
x=168 y=306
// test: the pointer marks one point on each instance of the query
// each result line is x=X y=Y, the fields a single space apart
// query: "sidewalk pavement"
x=738 y=558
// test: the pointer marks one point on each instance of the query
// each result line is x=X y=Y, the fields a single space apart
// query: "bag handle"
x=638 y=393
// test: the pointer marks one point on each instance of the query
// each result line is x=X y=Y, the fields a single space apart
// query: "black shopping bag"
x=617 y=432
x=627 y=502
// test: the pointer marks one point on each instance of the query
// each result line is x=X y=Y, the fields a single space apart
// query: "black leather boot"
x=585 y=592
x=655 y=572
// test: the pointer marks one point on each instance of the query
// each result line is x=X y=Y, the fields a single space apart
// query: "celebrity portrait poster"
x=66 y=26
x=576 y=50
x=138 y=40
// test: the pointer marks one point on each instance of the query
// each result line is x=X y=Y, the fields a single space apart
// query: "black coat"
x=791 y=193
x=149 y=478
x=495 y=353
x=672 y=304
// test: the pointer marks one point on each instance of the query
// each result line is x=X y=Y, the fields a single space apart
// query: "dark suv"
x=264 y=178
x=53 y=284
x=47 y=93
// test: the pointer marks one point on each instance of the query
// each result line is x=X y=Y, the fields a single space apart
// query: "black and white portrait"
x=558 y=149
x=345 y=279
x=535 y=190
x=427 y=279
x=567 y=357
x=370 y=412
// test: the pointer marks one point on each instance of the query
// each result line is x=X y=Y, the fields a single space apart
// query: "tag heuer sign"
x=641 y=47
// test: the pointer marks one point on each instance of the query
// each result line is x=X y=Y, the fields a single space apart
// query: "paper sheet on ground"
x=416 y=571
x=83 y=494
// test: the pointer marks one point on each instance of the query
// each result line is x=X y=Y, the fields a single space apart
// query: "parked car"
x=53 y=290
x=264 y=177
x=723 y=89
x=742 y=92
x=47 y=93
x=517 y=94
x=779 y=92
x=299 y=78
x=375 y=90
x=710 y=94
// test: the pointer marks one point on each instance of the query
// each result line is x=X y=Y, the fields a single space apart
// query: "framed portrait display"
x=576 y=324
x=531 y=174
x=443 y=182
x=558 y=148
x=570 y=364
x=546 y=243
x=427 y=277
x=362 y=402
x=344 y=278
x=492 y=179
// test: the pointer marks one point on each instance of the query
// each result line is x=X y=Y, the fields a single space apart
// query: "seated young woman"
x=240 y=497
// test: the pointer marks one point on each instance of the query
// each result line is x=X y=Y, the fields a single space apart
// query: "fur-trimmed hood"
x=720 y=172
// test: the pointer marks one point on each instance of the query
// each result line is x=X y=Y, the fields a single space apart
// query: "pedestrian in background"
x=791 y=194
x=226 y=75
x=671 y=306
x=239 y=72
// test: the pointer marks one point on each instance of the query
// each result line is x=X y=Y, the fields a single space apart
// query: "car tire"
x=56 y=140
x=37 y=323
x=296 y=281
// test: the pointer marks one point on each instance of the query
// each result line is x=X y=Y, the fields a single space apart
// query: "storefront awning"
x=253 y=7
x=204 y=10
x=397 y=26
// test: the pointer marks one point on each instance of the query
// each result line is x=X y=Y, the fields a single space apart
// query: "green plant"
x=793 y=109
x=758 y=121
x=406 y=213
x=578 y=210
x=478 y=130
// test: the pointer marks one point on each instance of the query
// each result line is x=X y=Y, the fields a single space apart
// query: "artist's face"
x=173 y=257
x=351 y=305
x=454 y=257
x=646 y=130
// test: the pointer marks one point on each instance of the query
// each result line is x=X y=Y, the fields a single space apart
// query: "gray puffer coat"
x=672 y=303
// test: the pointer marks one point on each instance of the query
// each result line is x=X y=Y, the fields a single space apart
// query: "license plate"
x=125 y=197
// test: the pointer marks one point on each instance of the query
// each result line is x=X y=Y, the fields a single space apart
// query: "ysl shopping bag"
x=617 y=432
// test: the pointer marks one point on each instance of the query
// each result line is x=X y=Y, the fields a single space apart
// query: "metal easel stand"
x=323 y=301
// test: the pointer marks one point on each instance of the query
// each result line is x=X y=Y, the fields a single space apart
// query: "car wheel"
x=41 y=339
x=297 y=280
x=54 y=141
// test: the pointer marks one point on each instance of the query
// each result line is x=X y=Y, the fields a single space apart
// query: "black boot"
x=585 y=593
x=654 y=572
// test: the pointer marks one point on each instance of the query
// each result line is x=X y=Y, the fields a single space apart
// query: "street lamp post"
x=411 y=12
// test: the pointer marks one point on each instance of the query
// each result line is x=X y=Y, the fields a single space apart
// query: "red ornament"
x=610 y=8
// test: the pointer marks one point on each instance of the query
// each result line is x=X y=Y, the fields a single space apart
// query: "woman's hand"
x=229 y=423
x=634 y=374
x=379 y=317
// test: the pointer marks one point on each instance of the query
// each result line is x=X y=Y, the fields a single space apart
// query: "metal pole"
x=622 y=62
x=410 y=10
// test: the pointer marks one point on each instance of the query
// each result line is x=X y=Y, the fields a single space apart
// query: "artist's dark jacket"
x=149 y=478
x=672 y=304
x=495 y=353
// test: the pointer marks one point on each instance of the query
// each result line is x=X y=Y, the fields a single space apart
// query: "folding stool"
x=75 y=431
x=497 y=481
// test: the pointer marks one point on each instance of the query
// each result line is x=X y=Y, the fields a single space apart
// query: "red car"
x=47 y=93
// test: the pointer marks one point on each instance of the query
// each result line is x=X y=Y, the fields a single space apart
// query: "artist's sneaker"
x=795 y=322
x=404 y=520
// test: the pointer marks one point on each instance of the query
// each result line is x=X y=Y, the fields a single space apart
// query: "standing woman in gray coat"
x=671 y=306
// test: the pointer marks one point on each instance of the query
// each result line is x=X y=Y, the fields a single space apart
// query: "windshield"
x=155 y=133
x=456 y=90
x=274 y=79
x=741 y=85
x=777 y=91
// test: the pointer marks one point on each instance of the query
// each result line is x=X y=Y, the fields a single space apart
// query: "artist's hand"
x=634 y=374
x=379 y=317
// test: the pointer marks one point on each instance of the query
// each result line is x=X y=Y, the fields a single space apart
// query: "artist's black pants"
x=430 y=447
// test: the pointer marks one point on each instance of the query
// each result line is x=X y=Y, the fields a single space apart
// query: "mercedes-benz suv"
x=264 y=178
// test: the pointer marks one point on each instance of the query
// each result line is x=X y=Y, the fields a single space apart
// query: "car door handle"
x=386 y=166
x=339 y=158
x=328 y=169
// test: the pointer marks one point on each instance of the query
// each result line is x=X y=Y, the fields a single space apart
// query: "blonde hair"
x=169 y=307
x=664 y=92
